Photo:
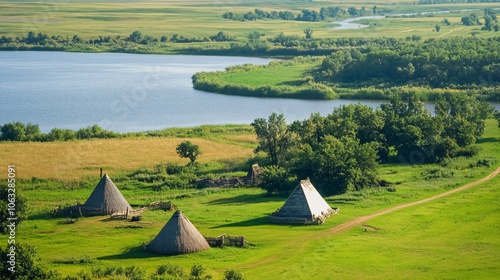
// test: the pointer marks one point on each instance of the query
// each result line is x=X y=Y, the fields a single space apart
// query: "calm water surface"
x=130 y=92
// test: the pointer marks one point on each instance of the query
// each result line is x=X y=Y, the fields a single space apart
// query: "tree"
x=20 y=208
x=26 y=264
x=13 y=131
x=337 y=165
x=233 y=275
x=135 y=37
x=410 y=129
x=308 y=32
x=189 y=150
x=254 y=36
x=275 y=179
x=18 y=131
x=274 y=137
x=438 y=27
x=221 y=37
x=352 y=11
x=463 y=117
x=32 y=132
x=470 y=20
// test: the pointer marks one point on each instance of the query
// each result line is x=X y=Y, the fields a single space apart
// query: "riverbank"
x=299 y=79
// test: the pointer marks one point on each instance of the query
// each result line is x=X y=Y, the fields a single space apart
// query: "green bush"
x=437 y=173
x=233 y=275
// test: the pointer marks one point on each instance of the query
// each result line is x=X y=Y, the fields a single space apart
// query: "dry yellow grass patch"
x=73 y=160
x=247 y=138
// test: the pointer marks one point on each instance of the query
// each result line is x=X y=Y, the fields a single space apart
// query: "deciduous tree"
x=274 y=137
x=189 y=150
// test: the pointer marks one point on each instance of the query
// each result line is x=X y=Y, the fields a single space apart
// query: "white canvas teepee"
x=304 y=206
x=107 y=197
x=178 y=236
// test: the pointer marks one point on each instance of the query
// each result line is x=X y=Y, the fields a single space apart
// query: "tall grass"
x=78 y=159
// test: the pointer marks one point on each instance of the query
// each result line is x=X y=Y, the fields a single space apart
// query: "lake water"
x=130 y=92
x=350 y=22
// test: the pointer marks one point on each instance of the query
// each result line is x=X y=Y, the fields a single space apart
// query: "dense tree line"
x=436 y=63
x=42 y=40
x=490 y=20
x=341 y=151
x=17 y=131
x=325 y=13
x=278 y=45
x=455 y=1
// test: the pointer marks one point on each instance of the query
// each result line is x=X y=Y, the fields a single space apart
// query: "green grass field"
x=274 y=74
x=452 y=237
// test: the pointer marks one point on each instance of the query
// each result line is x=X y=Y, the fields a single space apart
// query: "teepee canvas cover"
x=107 y=197
x=304 y=206
x=178 y=236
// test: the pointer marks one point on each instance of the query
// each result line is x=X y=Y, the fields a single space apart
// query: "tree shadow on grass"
x=42 y=216
x=291 y=83
x=247 y=198
x=487 y=140
x=131 y=253
x=248 y=223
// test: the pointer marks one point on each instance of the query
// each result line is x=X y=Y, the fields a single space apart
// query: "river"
x=350 y=22
x=131 y=92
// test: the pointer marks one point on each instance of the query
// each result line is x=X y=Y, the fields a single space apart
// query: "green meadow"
x=90 y=19
x=451 y=237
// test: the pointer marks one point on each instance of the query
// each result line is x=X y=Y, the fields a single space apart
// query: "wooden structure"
x=226 y=240
x=304 y=206
x=253 y=175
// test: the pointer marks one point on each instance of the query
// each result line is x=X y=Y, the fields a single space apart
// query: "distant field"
x=204 y=18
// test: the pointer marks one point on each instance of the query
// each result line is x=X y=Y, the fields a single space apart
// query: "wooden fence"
x=226 y=240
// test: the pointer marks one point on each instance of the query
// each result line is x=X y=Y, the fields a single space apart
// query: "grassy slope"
x=447 y=238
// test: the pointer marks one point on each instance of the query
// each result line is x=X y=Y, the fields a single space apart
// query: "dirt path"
x=360 y=220
x=449 y=32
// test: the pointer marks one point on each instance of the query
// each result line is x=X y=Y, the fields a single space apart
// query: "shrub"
x=275 y=179
x=437 y=173
x=233 y=275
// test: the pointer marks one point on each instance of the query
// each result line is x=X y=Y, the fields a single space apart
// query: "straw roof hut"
x=107 y=197
x=178 y=236
x=304 y=206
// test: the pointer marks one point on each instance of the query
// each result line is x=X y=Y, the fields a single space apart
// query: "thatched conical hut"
x=107 y=198
x=178 y=236
x=304 y=206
